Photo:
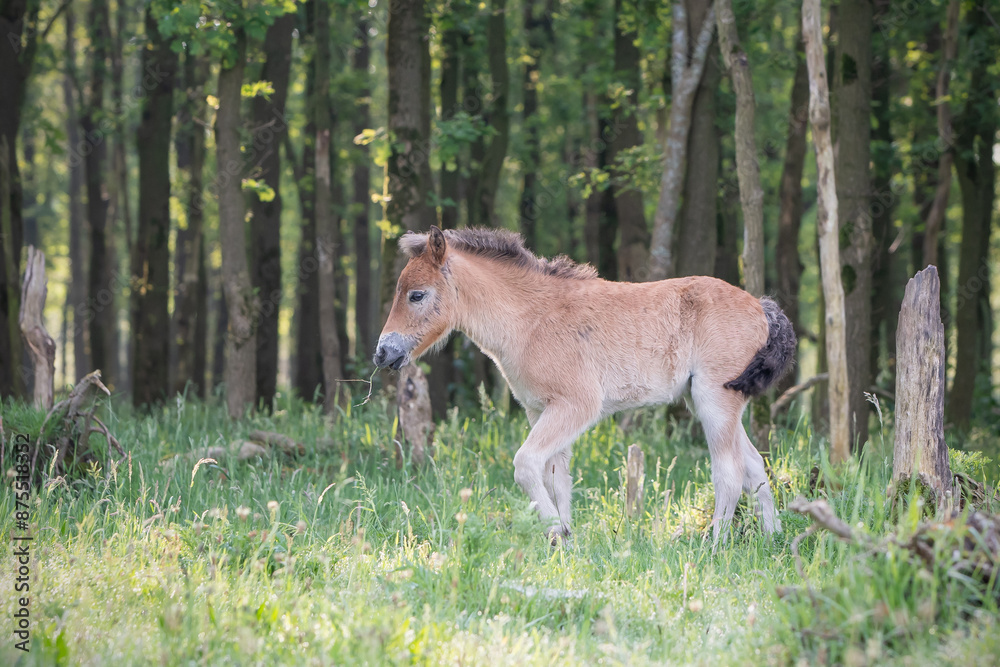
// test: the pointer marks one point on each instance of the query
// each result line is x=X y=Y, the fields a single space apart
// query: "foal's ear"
x=436 y=244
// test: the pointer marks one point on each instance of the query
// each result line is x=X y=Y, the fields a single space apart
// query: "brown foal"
x=575 y=348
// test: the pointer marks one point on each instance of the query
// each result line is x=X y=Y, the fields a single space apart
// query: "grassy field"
x=339 y=557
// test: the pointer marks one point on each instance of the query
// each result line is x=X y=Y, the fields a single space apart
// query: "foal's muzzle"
x=393 y=351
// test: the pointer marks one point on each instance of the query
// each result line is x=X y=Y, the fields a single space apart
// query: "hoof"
x=559 y=534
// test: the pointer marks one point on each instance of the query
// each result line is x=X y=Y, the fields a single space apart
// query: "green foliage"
x=456 y=134
x=264 y=192
x=210 y=27
x=257 y=89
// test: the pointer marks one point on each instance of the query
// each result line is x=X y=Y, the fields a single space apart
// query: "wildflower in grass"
x=461 y=517
x=465 y=494
x=272 y=506
x=300 y=527
x=198 y=526
x=243 y=512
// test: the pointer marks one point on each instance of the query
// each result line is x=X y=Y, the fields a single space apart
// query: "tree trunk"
x=41 y=347
x=498 y=116
x=102 y=280
x=977 y=178
x=151 y=257
x=442 y=363
x=727 y=257
x=697 y=236
x=241 y=302
x=17 y=50
x=751 y=192
x=538 y=29
x=120 y=200
x=189 y=259
x=409 y=181
x=789 y=264
x=265 y=226
x=308 y=374
x=633 y=247
x=885 y=281
x=936 y=214
x=363 y=306
x=829 y=237
x=686 y=75
x=920 y=448
x=220 y=334
x=600 y=224
x=77 y=293
x=635 y=477
x=473 y=102
x=852 y=130
x=327 y=239
x=415 y=420
x=747 y=169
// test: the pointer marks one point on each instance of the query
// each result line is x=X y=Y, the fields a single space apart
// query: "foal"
x=575 y=348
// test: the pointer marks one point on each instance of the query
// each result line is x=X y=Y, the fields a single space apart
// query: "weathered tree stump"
x=415 y=417
x=41 y=347
x=920 y=449
x=635 y=475
x=63 y=445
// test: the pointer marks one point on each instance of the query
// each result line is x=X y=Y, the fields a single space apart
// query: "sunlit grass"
x=339 y=557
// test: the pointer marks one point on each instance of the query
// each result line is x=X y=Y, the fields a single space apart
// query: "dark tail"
x=771 y=361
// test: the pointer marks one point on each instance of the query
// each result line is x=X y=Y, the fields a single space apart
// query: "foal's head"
x=422 y=309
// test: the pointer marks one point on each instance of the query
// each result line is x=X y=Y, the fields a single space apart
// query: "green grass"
x=341 y=558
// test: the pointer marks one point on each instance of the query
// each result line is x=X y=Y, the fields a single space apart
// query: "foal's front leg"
x=559 y=425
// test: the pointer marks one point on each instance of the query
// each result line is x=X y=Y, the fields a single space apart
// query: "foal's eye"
x=416 y=296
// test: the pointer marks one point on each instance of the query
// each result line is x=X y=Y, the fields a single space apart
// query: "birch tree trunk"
x=686 y=76
x=241 y=303
x=829 y=237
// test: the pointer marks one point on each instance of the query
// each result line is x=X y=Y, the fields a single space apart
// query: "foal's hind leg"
x=755 y=482
x=719 y=411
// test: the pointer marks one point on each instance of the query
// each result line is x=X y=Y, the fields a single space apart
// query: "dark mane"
x=501 y=245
